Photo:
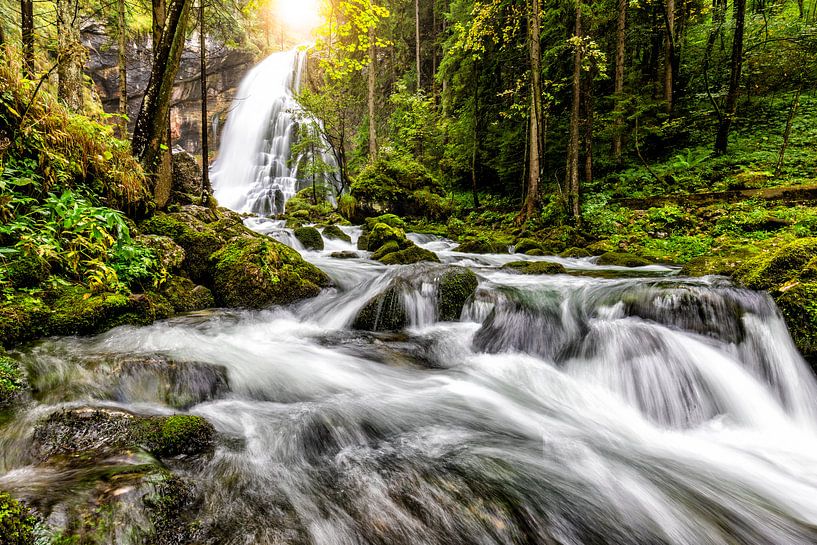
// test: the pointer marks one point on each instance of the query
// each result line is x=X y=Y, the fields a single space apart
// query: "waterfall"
x=254 y=171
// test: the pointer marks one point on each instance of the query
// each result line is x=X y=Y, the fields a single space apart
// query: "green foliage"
x=17 y=524
x=12 y=382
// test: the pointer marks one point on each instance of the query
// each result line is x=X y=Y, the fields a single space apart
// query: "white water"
x=255 y=171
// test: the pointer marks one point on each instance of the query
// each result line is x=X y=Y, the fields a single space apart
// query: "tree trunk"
x=572 y=167
x=152 y=123
x=123 y=69
x=70 y=55
x=588 y=129
x=535 y=155
x=371 y=91
x=669 y=55
x=475 y=141
x=722 y=138
x=27 y=29
x=205 y=122
x=619 y=79
x=792 y=112
x=417 y=42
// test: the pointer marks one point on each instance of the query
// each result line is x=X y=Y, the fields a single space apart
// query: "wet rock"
x=383 y=233
x=333 y=232
x=412 y=254
x=170 y=254
x=774 y=268
x=310 y=237
x=481 y=245
x=386 y=311
x=456 y=286
x=186 y=188
x=77 y=312
x=622 y=259
x=258 y=273
x=363 y=242
x=346 y=254
x=12 y=382
x=575 y=252
x=534 y=267
x=185 y=296
x=527 y=245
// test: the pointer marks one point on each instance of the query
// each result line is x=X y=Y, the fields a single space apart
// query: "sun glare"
x=299 y=15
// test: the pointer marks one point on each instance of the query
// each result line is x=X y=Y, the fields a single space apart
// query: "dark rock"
x=481 y=245
x=534 y=267
x=526 y=245
x=622 y=259
x=385 y=311
x=310 y=237
x=346 y=254
x=334 y=232
x=186 y=188
x=363 y=242
x=185 y=296
x=456 y=286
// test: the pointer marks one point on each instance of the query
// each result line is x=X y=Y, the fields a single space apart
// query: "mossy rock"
x=293 y=223
x=176 y=435
x=412 y=254
x=79 y=312
x=389 y=247
x=575 y=253
x=391 y=220
x=345 y=254
x=185 y=296
x=170 y=254
x=534 y=267
x=363 y=242
x=384 y=312
x=333 y=232
x=17 y=524
x=526 y=245
x=258 y=273
x=778 y=266
x=12 y=383
x=23 y=317
x=706 y=265
x=199 y=239
x=382 y=233
x=456 y=286
x=601 y=247
x=27 y=270
x=536 y=252
x=481 y=245
x=798 y=305
x=310 y=238
x=622 y=259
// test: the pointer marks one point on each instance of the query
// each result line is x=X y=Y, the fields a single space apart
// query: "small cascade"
x=255 y=171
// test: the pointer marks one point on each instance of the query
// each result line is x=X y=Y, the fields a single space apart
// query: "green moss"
x=412 y=254
x=79 y=312
x=199 y=239
x=310 y=237
x=575 y=252
x=526 y=245
x=777 y=265
x=185 y=296
x=622 y=259
x=27 y=270
x=363 y=242
x=382 y=233
x=17 y=524
x=481 y=245
x=384 y=312
x=333 y=232
x=798 y=305
x=534 y=267
x=22 y=317
x=388 y=248
x=257 y=273
x=180 y=434
x=12 y=382
x=170 y=254
x=391 y=220
x=456 y=286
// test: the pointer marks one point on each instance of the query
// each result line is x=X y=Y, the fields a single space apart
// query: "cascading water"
x=564 y=409
x=255 y=171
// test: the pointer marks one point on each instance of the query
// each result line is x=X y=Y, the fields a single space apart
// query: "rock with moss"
x=575 y=252
x=79 y=312
x=534 y=267
x=778 y=265
x=527 y=245
x=412 y=254
x=363 y=242
x=798 y=305
x=260 y=272
x=601 y=247
x=481 y=245
x=185 y=296
x=381 y=233
x=12 y=382
x=309 y=206
x=310 y=238
x=186 y=187
x=333 y=232
x=389 y=247
x=176 y=435
x=17 y=524
x=622 y=259
x=456 y=286
x=27 y=270
x=392 y=220
x=345 y=254
x=386 y=311
x=170 y=254
x=23 y=317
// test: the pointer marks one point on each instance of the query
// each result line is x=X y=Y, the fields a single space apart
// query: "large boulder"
x=187 y=186
x=456 y=286
x=27 y=270
x=778 y=265
x=185 y=296
x=170 y=254
x=385 y=311
x=260 y=272
x=412 y=254
x=310 y=238
x=481 y=245
x=534 y=267
x=333 y=232
x=622 y=259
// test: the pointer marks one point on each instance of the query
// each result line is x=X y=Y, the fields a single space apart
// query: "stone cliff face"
x=225 y=69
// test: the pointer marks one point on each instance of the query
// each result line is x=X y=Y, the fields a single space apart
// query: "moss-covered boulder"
x=260 y=272
x=412 y=254
x=333 y=232
x=345 y=254
x=622 y=259
x=12 y=383
x=575 y=252
x=27 y=270
x=17 y=524
x=309 y=206
x=176 y=435
x=389 y=247
x=778 y=265
x=456 y=286
x=79 y=312
x=381 y=233
x=170 y=254
x=392 y=220
x=23 y=317
x=534 y=267
x=384 y=312
x=363 y=242
x=185 y=296
x=481 y=245
x=186 y=187
x=310 y=238
x=527 y=245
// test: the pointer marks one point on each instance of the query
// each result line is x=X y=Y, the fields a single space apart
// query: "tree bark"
x=123 y=69
x=205 y=122
x=535 y=155
x=588 y=128
x=371 y=91
x=572 y=167
x=475 y=141
x=417 y=43
x=792 y=112
x=722 y=137
x=152 y=123
x=619 y=79
x=70 y=55
x=27 y=29
x=669 y=55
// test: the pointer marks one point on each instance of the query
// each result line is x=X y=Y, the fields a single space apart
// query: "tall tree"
x=152 y=123
x=122 y=58
x=535 y=117
x=619 y=78
x=205 y=123
x=27 y=29
x=736 y=65
x=371 y=85
x=670 y=62
x=70 y=55
x=417 y=43
x=572 y=166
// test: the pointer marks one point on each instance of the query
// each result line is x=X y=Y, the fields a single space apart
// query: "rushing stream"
x=568 y=409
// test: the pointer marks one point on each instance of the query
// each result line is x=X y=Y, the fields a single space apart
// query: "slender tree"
x=71 y=55
x=123 y=68
x=205 y=123
x=417 y=43
x=27 y=28
x=736 y=65
x=670 y=63
x=370 y=96
x=619 y=78
x=572 y=166
x=535 y=116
